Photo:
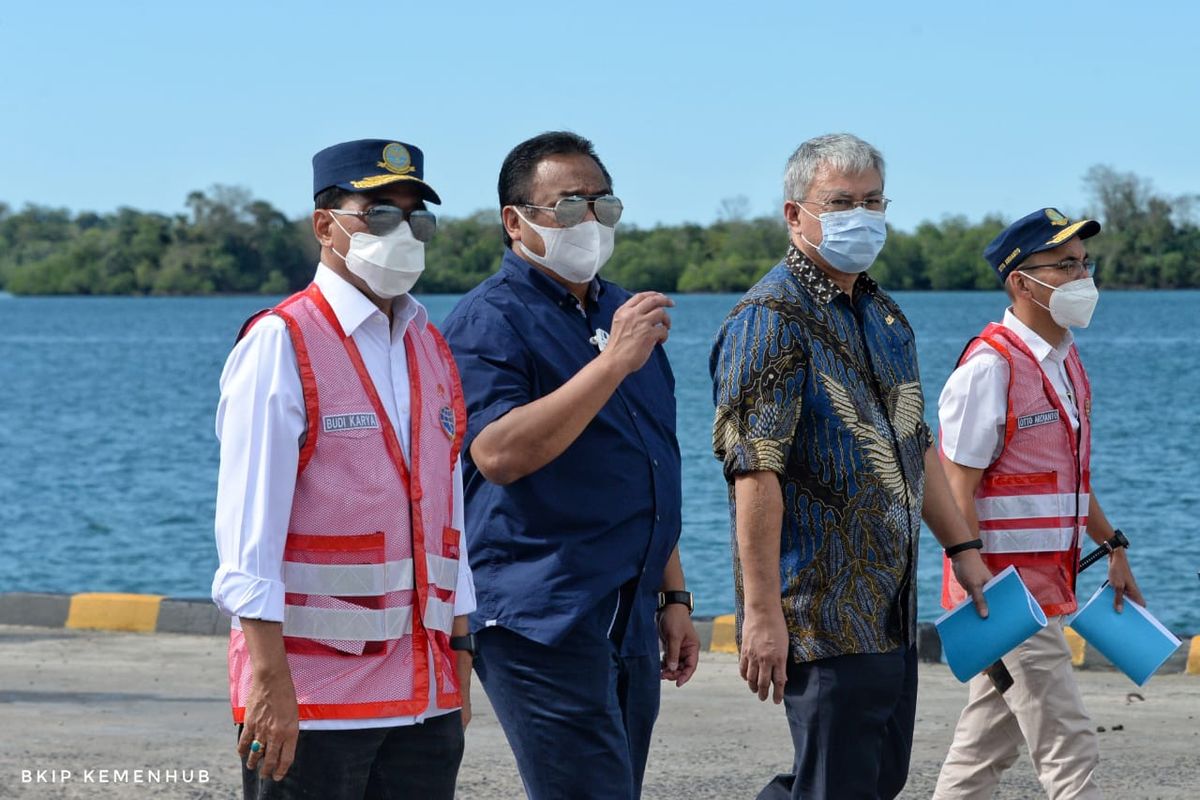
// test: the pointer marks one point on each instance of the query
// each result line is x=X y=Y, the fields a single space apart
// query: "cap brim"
x=1084 y=229
x=372 y=182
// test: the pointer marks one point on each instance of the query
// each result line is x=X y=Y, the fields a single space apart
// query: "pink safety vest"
x=371 y=561
x=1032 y=502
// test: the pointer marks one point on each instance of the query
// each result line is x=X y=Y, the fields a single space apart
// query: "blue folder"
x=971 y=643
x=1133 y=640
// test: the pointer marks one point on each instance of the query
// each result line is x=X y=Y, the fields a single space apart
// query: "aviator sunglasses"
x=382 y=220
x=571 y=210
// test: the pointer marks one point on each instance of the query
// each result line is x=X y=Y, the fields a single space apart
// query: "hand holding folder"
x=970 y=642
x=1133 y=640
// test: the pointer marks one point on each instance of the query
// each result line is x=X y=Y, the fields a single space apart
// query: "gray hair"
x=841 y=152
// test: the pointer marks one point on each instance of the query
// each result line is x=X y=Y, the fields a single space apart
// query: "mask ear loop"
x=804 y=238
x=539 y=259
x=1040 y=283
x=334 y=217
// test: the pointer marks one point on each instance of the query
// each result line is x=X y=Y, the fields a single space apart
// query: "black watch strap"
x=463 y=643
x=973 y=544
x=682 y=598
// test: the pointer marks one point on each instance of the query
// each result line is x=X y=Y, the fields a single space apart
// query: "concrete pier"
x=83 y=711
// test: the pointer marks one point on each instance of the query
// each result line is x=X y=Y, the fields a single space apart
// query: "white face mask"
x=576 y=253
x=1072 y=304
x=390 y=265
x=850 y=240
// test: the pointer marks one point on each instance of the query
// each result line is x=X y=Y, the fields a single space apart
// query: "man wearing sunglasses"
x=572 y=484
x=1016 y=443
x=339 y=508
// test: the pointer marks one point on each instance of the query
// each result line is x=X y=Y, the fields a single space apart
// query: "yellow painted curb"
x=1078 y=646
x=114 y=612
x=724 y=637
x=1193 y=662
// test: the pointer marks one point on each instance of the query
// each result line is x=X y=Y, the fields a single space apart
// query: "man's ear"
x=791 y=215
x=512 y=222
x=1018 y=285
x=322 y=224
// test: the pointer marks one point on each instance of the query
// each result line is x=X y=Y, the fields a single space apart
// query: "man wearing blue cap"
x=1016 y=445
x=572 y=482
x=339 y=508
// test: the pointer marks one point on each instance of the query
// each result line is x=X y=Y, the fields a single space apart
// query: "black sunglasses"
x=382 y=220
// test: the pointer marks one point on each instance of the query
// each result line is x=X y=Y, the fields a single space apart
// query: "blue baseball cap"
x=1044 y=229
x=367 y=164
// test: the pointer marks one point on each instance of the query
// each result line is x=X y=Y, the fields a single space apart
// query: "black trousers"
x=578 y=715
x=410 y=761
x=851 y=719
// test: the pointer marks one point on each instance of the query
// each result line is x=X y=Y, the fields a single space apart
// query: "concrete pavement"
x=103 y=705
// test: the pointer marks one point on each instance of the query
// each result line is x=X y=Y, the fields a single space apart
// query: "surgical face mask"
x=390 y=265
x=850 y=240
x=576 y=253
x=1072 y=304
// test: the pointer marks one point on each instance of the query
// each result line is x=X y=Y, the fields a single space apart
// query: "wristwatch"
x=682 y=598
x=464 y=643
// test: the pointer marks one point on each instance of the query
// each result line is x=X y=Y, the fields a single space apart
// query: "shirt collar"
x=352 y=308
x=1040 y=348
x=561 y=295
x=814 y=279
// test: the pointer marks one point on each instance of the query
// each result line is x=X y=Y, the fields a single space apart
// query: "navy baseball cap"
x=367 y=164
x=1044 y=229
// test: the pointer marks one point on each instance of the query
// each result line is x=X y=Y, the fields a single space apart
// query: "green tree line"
x=229 y=242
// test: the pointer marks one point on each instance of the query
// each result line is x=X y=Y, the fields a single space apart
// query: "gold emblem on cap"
x=396 y=159
x=1067 y=233
x=1055 y=217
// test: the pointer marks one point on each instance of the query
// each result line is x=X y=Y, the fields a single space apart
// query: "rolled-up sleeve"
x=494 y=364
x=758 y=371
x=260 y=419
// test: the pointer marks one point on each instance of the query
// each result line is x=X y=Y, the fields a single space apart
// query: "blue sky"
x=977 y=107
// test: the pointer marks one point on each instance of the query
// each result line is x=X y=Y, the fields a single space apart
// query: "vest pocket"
x=336 y=591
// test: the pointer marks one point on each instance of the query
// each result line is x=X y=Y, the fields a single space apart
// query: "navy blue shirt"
x=551 y=547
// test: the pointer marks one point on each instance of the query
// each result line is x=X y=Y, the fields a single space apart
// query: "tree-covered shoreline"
x=230 y=243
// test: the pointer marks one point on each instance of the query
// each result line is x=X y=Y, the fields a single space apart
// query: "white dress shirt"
x=261 y=419
x=974 y=401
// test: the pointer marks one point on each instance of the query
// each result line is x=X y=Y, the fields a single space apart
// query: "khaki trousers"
x=1043 y=709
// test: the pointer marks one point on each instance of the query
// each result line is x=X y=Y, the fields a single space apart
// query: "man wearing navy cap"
x=1016 y=445
x=339 y=508
x=572 y=482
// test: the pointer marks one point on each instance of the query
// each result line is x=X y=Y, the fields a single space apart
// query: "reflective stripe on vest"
x=350 y=623
x=349 y=580
x=1029 y=523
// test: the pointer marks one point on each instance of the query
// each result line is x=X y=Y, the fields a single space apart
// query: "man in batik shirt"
x=831 y=467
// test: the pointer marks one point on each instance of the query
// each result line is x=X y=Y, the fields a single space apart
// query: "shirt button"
x=635 y=415
x=655 y=462
x=657 y=518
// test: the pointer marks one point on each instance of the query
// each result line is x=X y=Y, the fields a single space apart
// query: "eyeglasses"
x=382 y=220
x=571 y=210
x=845 y=203
x=1071 y=266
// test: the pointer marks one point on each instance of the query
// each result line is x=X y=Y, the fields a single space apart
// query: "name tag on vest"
x=1044 y=418
x=349 y=422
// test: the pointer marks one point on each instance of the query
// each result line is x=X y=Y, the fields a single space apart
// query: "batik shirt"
x=824 y=391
